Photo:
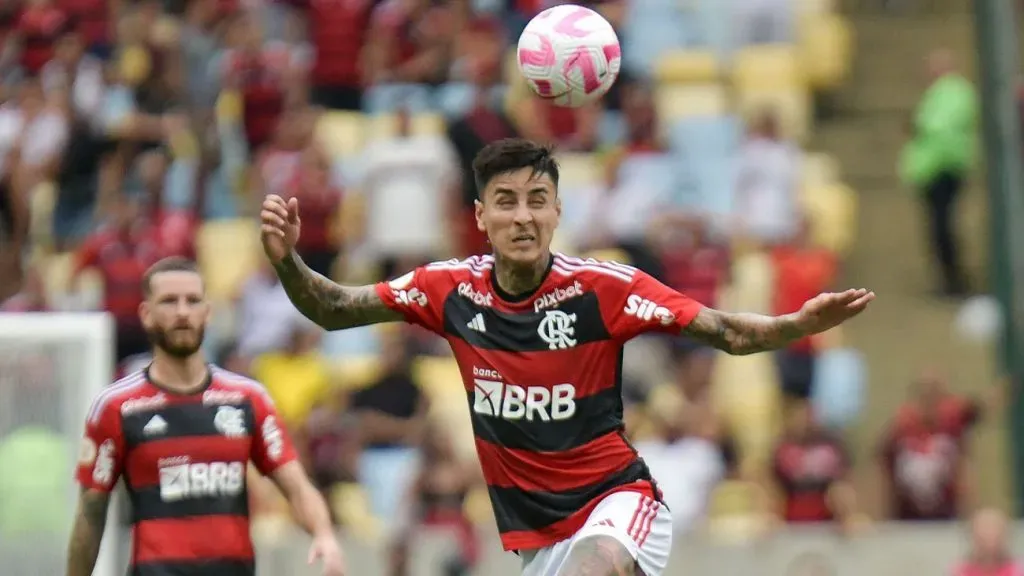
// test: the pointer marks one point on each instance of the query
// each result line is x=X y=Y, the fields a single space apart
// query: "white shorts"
x=642 y=525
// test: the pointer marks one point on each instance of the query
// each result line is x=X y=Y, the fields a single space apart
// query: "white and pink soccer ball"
x=570 y=55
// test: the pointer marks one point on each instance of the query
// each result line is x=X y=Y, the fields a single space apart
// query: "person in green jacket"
x=938 y=157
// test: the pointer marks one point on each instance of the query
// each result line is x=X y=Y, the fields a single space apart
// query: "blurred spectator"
x=320 y=199
x=296 y=376
x=74 y=78
x=338 y=31
x=924 y=453
x=637 y=186
x=802 y=271
x=406 y=185
x=697 y=265
x=391 y=414
x=483 y=123
x=121 y=252
x=437 y=500
x=408 y=42
x=269 y=76
x=766 y=195
x=276 y=165
x=687 y=456
x=939 y=156
x=40 y=24
x=990 y=553
x=332 y=445
x=266 y=318
x=32 y=137
x=811 y=468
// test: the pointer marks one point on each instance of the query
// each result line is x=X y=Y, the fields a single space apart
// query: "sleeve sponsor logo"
x=103 y=470
x=273 y=438
x=223 y=397
x=410 y=297
x=646 y=310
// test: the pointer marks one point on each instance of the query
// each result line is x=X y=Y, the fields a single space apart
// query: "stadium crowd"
x=130 y=131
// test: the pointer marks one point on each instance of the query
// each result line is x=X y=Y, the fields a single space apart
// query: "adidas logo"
x=156 y=425
x=477 y=323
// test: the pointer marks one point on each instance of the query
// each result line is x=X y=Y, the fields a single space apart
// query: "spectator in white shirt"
x=766 y=204
x=77 y=76
x=686 y=458
x=407 y=185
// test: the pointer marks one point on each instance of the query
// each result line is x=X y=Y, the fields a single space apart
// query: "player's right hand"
x=326 y=550
x=279 y=226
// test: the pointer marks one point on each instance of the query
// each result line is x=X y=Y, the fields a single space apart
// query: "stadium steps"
x=906 y=330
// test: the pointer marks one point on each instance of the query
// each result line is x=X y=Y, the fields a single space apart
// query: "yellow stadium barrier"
x=687 y=67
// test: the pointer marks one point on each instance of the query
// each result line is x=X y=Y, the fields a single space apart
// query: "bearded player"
x=181 y=433
x=538 y=339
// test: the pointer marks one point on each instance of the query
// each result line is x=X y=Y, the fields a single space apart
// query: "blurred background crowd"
x=753 y=154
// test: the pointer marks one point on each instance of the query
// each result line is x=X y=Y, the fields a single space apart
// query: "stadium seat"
x=704 y=137
x=687 y=67
x=832 y=209
x=675 y=101
x=815 y=7
x=439 y=378
x=341 y=133
x=227 y=252
x=762 y=68
x=818 y=168
x=826 y=50
x=355 y=372
x=385 y=98
x=42 y=200
x=578 y=170
x=791 y=104
x=652 y=28
x=735 y=512
x=383 y=126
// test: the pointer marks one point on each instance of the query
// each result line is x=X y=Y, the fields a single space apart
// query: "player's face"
x=176 y=312
x=519 y=212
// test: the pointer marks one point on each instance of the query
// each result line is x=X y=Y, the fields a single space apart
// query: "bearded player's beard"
x=174 y=347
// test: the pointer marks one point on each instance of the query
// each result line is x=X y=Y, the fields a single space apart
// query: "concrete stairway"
x=907 y=329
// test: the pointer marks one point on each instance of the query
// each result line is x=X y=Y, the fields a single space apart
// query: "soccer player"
x=538 y=338
x=181 y=432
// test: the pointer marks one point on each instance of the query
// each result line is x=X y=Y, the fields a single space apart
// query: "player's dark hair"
x=169 y=264
x=509 y=155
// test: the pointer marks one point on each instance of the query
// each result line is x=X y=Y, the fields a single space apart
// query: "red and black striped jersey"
x=183 y=459
x=542 y=374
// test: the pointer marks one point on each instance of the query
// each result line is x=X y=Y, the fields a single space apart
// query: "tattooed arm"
x=332 y=306
x=87 y=533
x=744 y=333
x=599 y=556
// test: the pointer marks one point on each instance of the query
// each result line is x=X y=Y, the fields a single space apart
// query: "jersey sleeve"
x=101 y=455
x=419 y=295
x=644 y=305
x=272 y=447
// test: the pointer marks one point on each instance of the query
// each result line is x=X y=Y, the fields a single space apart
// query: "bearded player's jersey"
x=542 y=374
x=183 y=458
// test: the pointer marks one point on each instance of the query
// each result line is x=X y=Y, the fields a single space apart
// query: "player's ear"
x=558 y=206
x=145 y=312
x=478 y=208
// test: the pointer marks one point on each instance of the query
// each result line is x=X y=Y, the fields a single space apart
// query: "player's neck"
x=182 y=375
x=520 y=278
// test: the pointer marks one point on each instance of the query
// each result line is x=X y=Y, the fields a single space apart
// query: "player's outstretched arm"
x=746 y=333
x=327 y=303
x=87 y=533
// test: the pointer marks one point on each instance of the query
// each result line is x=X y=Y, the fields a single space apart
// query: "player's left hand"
x=327 y=550
x=831 y=309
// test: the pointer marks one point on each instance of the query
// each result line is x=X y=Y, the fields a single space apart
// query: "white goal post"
x=73 y=354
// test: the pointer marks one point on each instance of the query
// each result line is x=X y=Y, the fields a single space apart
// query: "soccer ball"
x=569 y=55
